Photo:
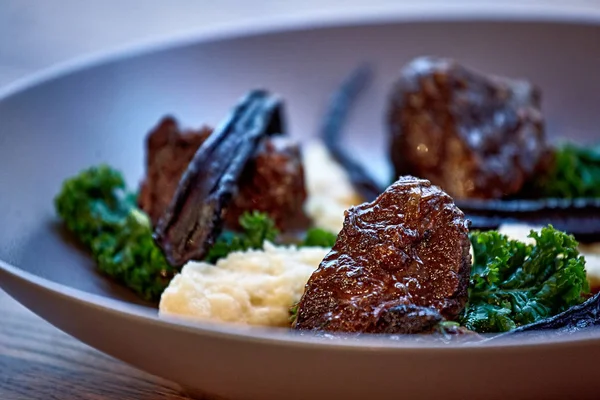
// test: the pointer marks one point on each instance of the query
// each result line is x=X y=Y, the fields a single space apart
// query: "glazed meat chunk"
x=400 y=264
x=168 y=153
x=272 y=182
x=473 y=135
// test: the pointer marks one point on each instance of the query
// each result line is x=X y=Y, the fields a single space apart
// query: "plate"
x=100 y=109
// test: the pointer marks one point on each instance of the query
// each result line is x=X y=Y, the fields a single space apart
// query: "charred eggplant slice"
x=331 y=130
x=578 y=216
x=195 y=216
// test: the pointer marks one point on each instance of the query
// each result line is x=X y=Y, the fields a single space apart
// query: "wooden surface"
x=39 y=362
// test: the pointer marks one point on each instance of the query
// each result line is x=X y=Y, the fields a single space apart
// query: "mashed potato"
x=590 y=252
x=255 y=287
x=330 y=191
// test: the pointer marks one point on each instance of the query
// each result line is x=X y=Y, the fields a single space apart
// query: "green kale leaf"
x=94 y=201
x=514 y=284
x=293 y=310
x=318 y=237
x=575 y=173
x=257 y=227
x=96 y=207
x=130 y=255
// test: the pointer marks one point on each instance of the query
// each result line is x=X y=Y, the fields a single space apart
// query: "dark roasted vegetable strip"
x=579 y=217
x=195 y=216
x=570 y=321
x=335 y=118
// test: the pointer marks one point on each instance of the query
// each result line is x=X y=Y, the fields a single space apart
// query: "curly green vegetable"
x=97 y=208
x=514 y=284
x=257 y=227
x=94 y=201
x=130 y=256
x=317 y=237
x=576 y=173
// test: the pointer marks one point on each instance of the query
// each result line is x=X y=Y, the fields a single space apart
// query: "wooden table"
x=39 y=362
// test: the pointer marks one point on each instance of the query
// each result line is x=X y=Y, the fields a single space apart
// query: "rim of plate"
x=286 y=337
x=577 y=12
x=583 y=12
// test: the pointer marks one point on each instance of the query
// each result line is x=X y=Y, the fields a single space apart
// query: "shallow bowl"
x=100 y=109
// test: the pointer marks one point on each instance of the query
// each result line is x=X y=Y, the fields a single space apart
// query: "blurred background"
x=35 y=34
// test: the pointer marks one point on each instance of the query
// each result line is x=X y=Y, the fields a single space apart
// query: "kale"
x=257 y=227
x=575 y=173
x=94 y=201
x=293 y=310
x=96 y=207
x=514 y=284
x=318 y=237
x=129 y=255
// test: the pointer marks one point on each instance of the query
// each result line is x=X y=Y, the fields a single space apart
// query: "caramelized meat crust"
x=400 y=264
x=475 y=136
x=273 y=181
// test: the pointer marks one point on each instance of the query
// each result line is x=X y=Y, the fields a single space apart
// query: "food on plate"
x=482 y=139
x=330 y=189
x=400 y=265
x=242 y=224
x=335 y=117
x=473 y=135
x=515 y=284
x=580 y=217
x=98 y=209
x=575 y=173
x=96 y=206
x=253 y=287
x=273 y=182
x=194 y=218
x=169 y=150
x=591 y=253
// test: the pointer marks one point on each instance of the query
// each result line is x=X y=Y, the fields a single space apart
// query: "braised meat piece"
x=473 y=135
x=168 y=153
x=273 y=182
x=401 y=264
